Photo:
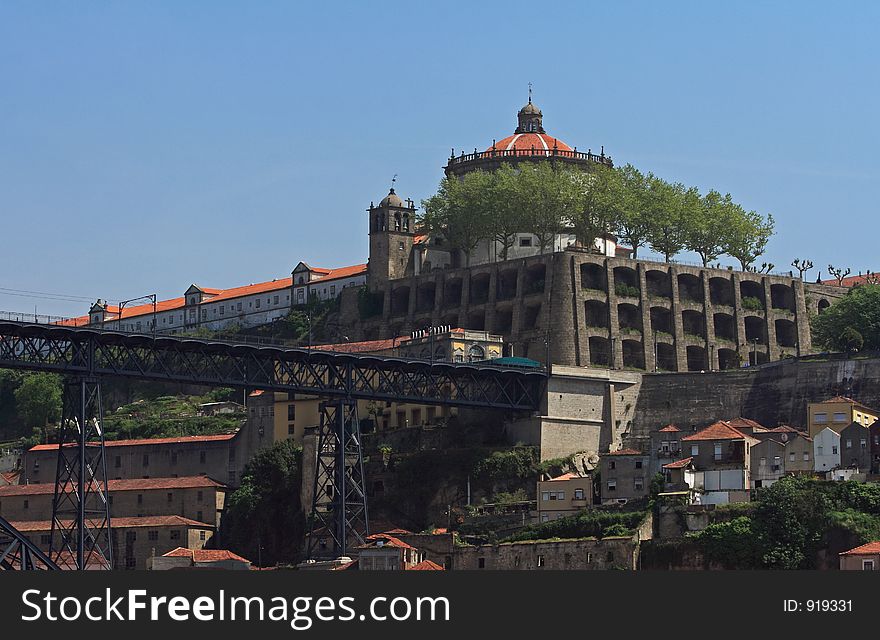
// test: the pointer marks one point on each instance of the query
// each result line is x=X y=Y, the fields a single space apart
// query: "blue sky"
x=146 y=146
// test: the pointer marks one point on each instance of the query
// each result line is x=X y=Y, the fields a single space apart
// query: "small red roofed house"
x=183 y=558
x=721 y=455
x=565 y=495
x=385 y=552
x=863 y=558
x=625 y=475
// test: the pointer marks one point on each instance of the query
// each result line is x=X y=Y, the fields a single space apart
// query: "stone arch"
x=476 y=321
x=531 y=316
x=535 y=278
x=626 y=282
x=452 y=292
x=782 y=297
x=594 y=276
x=503 y=320
x=658 y=283
x=629 y=316
x=751 y=289
x=600 y=351
x=786 y=333
x=666 y=357
x=479 y=288
x=725 y=326
x=823 y=305
x=596 y=313
x=693 y=323
x=755 y=330
x=633 y=354
x=661 y=320
x=690 y=287
x=507 y=284
x=697 y=358
x=727 y=359
x=721 y=292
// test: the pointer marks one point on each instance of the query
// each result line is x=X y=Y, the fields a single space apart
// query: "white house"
x=826 y=449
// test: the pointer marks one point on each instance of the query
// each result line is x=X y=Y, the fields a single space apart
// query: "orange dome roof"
x=540 y=143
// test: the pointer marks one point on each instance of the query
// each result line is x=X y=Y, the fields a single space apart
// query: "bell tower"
x=392 y=234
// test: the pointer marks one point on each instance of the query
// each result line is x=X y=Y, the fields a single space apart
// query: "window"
x=609 y=557
x=525 y=242
x=833 y=450
x=791 y=457
x=867 y=565
x=638 y=464
x=544 y=517
x=695 y=449
x=820 y=417
x=140 y=498
x=481 y=563
x=152 y=535
x=762 y=461
x=291 y=430
x=238 y=307
x=848 y=443
x=130 y=562
x=46 y=538
x=332 y=289
x=117 y=462
x=806 y=456
x=201 y=535
x=540 y=561
x=400 y=246
x=275 y=299
x=612 y=485
x=146 y=460
x=589 y=557
x=26 y=504
x=175 y=534
x=222 y=311
x=638 y=483
x=130 y=536
x=202 y=457
x=170 y=497
x=718 y=452
x=560 y=495
x=257 y=303
x=839 y=417
x=291 y=411
x=199 y=516
x=819 y=450
x=611 y=464
x=863 y=443
x=545 y=496
x=578 y=494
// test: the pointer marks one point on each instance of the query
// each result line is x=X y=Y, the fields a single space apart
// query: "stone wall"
x=774 y=393
x=599 y=310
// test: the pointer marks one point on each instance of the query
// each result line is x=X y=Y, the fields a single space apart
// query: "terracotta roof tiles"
x=720 y=430
x=149 y=441
x=870 y=548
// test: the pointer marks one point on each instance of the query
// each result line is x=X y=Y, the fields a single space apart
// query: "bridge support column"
x=339 y=505
x=80 y=509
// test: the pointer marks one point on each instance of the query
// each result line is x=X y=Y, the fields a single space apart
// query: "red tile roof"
x=148 y=441
x=670 y=428
x=740 y=422
x=851 y=281
x=204 y=555
x=11 y=476
x=678 y=464
x=386 y=540
x=870 y=548
x=398 y=532
x=784 y=428
x=836 y=399
x=426 y=565
x=366 y=346
x=530 y=144
x=120 y=523
x=564 y=476
x=133 y=484
x=720 y=430
x=624 y=452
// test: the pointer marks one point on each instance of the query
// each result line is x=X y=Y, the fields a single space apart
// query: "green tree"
x=746 y=234
x=459 y=211
x=670 y=208
x=264 y=517
x=856 y=313
x=38 y=399
x=597 y=207
x=506 y=215
x=633 y=223
x=549 y=198
x=704 y=234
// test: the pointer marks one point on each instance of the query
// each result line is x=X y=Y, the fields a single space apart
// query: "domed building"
x=528 y=143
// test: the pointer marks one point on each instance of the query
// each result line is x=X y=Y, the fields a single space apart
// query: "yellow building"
x=564 y=496
x=837 y=413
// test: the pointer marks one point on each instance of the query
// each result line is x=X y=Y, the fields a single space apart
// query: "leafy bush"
x=588 y=524
x=859 y=310
x=625 y=290
x=752 y=303
x=369 y=303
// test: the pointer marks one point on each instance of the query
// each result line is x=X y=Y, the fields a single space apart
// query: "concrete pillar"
x=647 y=333
x=802 y=319
x=711 y=344
x=739 y=318
x=491 y=299
x=437 y=313
x=616 y=343
x=769 y=322
x=677 y=326
x=516 y=321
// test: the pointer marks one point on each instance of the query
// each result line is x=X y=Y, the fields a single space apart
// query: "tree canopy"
x=546 y=199
x=852 y=323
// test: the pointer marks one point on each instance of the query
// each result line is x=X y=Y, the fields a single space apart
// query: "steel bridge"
x=86 y=355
